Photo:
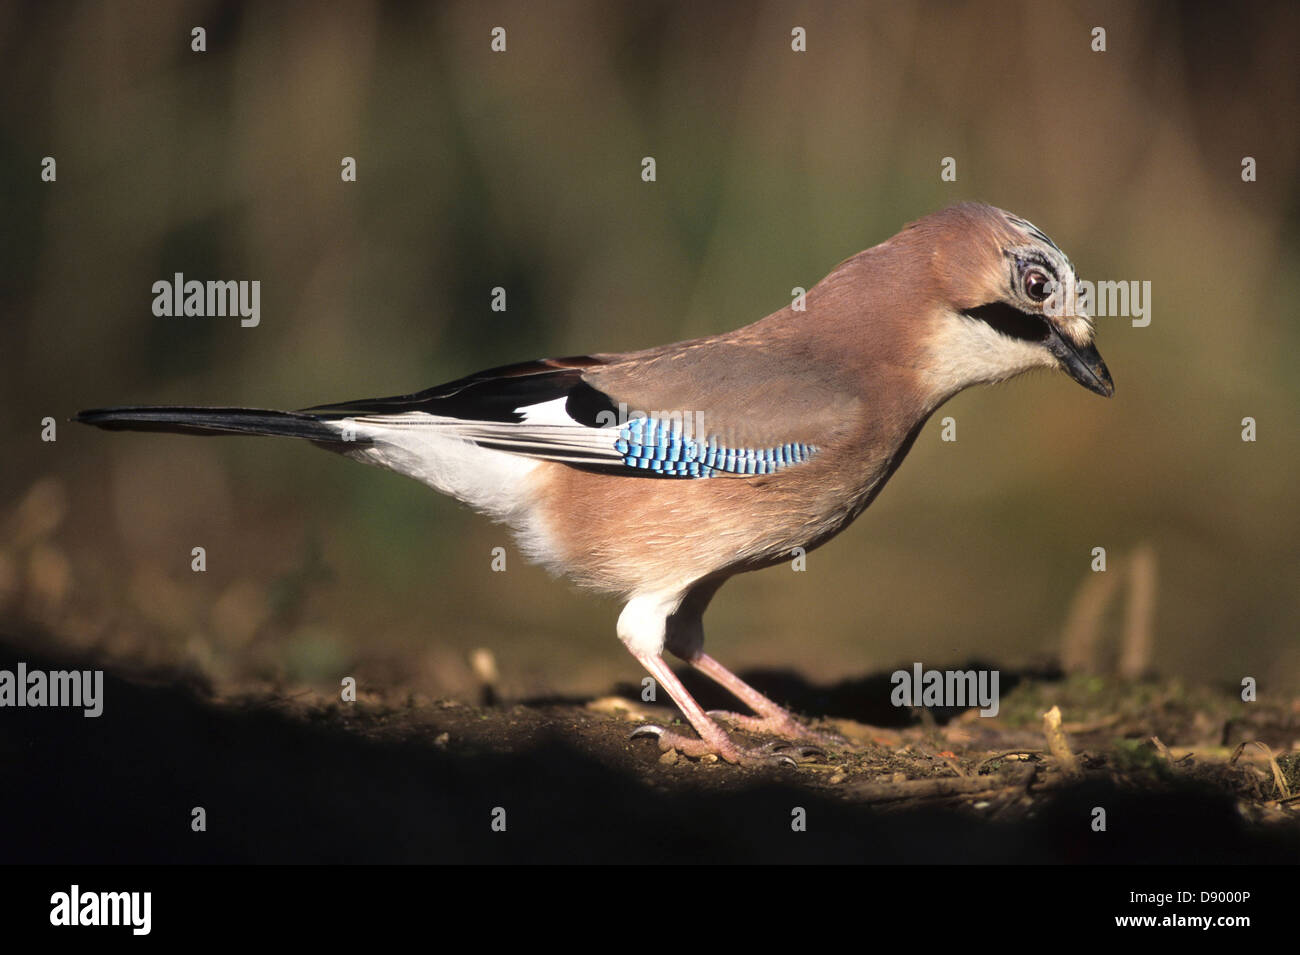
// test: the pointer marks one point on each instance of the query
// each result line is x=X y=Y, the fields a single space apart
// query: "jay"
x=657 y=475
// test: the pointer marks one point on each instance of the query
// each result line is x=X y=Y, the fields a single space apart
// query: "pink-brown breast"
x=628 y=534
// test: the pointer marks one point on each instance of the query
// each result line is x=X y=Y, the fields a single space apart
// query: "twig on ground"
x=966 y=787
x=1057 y=744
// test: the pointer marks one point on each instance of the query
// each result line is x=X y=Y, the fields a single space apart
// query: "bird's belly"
x=628 y=535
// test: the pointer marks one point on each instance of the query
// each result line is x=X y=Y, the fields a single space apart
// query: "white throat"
x=967 y=351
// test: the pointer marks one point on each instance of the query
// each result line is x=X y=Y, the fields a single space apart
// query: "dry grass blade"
x=1082 y=631
x=1279 y=779
x=1139 y=614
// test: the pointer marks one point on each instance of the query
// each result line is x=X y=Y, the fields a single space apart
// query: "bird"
x=657 y=475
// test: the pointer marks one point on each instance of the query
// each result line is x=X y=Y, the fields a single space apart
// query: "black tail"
x=208 y=421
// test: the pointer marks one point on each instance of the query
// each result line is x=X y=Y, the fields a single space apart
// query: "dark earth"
x=294 y=777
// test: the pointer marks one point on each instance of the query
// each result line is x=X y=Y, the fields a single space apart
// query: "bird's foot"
x=783 y=725
x=775 y=752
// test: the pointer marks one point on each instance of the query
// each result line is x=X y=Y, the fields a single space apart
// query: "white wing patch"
x=548 y=412
x=546 y=432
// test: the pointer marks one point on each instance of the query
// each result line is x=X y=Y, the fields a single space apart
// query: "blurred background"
x=522 y=170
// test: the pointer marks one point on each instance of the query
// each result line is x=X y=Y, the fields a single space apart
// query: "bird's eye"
x=1037 y=285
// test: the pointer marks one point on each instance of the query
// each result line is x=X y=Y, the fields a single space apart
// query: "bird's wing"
x=681 y=411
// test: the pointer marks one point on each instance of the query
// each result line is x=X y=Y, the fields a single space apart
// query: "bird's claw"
x=785 y=727
x=787 y=747
x=774 y=752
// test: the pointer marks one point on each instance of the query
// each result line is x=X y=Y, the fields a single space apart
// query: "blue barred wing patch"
x=661 y=447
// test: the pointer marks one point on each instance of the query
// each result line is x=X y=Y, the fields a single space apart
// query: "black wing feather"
x=493 y=395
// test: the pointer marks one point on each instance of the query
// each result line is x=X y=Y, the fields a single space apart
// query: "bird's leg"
x=772 y=718
x=652 y=621
x=713 y=739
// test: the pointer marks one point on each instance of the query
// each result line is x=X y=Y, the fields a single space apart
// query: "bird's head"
x=1007 y=301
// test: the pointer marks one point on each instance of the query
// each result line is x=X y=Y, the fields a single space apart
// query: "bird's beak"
x=1084 y=364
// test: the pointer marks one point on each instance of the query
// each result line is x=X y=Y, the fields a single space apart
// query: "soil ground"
x=297 y=777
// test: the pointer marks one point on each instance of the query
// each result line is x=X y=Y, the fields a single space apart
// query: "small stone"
x=837 y=778
x=441 y=740
x=669 y=758
x=709 y=758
